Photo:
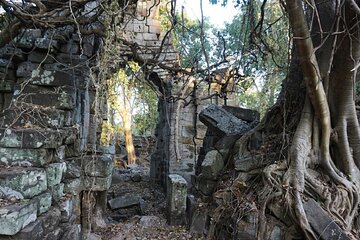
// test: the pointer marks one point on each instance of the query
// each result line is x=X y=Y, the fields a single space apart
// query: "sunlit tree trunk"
x=129 y=144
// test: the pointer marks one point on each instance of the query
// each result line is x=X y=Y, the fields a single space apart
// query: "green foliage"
x=133 y=100
x=187 y=35
x=258 y=45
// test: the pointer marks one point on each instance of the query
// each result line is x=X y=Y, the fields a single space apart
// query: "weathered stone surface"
x=73 y=186
x=71 y=59
x=71 y=47
x=105 y=149
x=88 y=45
x=51 y=78
x=10 y=52
x=43 y=201
x=40 y=57
x=50 y=219
x=8 y=193
x=222 y=122
x=73 y=150
x=204 y=185
x=199 y=221
x=46 y=43
x=212 y=164
x=5 y=64
x=54 y=235
x=54 y=173
x=34 y=231
x=45 y=117
x=243 y=113
x=73 y=169
x=28 y=181
x=247 y=227
x=127 y=200
x=25 y=157
x=15 y=217
x=276 y=233
x=6 y=86
x=62 y=98
x=97 y=165
x=176 y=199
x=322 y=224
x=57 y=191
x=25 y=69
x=66 y=208
x=225 y=143
x=96 y=183
x=72 y=233
x=149 y=221
x=249 y=162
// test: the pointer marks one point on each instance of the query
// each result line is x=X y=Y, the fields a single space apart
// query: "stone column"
x=176 y=199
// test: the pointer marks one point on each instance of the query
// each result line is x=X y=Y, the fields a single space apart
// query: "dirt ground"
x=146 y=220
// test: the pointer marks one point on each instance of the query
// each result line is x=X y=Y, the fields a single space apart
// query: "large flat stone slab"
x=125 y=201
x=28 y=181
x=324 y=226
x=25 y=157
x=222 y=122
x=61 y=98
x=46 y=117
x=51 y=78
x=15 y=217
x=34 y=138
x=247 y=115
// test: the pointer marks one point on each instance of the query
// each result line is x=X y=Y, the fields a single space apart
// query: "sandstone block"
x=34 y=231
x=51 y=78
x=25 y=68
x=28 y=181
x=6 y=86
x=176 y=199
x=243 y=113
x=54 y=173
x=97 y=165
x=73 y=186
x=212 y=164
x=50 y=219
x=322 y=224
x=43 y=202
x=15 y=217
x=66 y=208
x=25 y=157
x=96 y=183
x=125 y=201
x=222 y=122
x=40 y=57
x=10 y=52
x=45 y=117
x=57 y=191
x=46 y=43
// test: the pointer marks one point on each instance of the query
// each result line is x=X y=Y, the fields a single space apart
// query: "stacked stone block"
x=50 y=154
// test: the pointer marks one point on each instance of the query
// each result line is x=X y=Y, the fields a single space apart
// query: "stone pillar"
x=176 y=199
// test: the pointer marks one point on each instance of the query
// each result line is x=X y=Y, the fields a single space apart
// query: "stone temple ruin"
x=55 y=173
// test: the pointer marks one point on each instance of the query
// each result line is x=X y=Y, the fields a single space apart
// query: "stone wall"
x=51 y=160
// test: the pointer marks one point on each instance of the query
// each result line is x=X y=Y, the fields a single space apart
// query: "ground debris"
x=144 y=222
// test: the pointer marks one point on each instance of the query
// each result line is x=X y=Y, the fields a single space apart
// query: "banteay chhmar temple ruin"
x=55 y=171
